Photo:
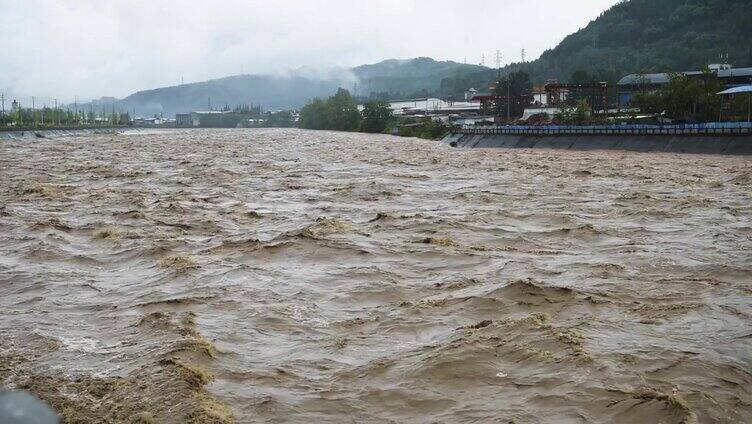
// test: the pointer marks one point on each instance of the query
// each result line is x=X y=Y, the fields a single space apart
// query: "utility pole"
x=498 y=78
x=33 y=111
x=720 y=110
x=2 y=100
x=508 y=110
x=57 y=113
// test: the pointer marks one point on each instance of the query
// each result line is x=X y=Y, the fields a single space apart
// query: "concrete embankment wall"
x=56 y=133
x=718 y=145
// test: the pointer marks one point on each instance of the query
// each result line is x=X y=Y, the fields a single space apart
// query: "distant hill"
x=632 y=36
x=272 y=92
x=390 y=78
x=408 y=78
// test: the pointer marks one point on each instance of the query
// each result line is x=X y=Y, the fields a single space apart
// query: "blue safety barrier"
x=734 y=128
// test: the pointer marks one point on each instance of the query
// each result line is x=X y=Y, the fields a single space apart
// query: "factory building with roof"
x=639 y=83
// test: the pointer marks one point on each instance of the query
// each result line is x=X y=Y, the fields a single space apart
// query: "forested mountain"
x=641 y=36
x=649 y=35
x=632 y=36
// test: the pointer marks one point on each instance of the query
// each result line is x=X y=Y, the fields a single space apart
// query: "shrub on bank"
x=424 y=128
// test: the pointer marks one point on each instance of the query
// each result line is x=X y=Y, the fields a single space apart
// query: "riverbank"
x=63 y=132
x=704 y=144
x=60 y=128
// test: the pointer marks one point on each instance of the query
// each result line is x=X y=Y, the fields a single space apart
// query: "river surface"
x=286 y=276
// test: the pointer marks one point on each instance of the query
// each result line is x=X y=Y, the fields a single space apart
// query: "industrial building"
x=646 y=83
x=183 y=120
x=211 y=118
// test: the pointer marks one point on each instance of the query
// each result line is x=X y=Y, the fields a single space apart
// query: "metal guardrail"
x=712 y=128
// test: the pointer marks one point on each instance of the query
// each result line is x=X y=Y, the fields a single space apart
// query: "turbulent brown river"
x=285 y=276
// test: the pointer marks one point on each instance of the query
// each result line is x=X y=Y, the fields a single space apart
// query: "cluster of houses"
x=549 y=98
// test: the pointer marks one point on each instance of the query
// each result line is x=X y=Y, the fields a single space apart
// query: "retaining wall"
x=704 y=144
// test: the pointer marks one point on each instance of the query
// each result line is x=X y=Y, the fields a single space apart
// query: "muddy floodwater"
x=286 y=276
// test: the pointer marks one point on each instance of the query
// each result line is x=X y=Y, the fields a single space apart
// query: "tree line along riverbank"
x=341 y=113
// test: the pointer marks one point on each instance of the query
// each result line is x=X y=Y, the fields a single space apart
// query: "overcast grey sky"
x=93 y=48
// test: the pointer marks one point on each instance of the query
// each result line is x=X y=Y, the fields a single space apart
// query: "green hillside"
x=641 y=36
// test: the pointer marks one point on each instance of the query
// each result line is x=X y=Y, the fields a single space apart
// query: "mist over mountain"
x=393 y=77
x=632 y=36
x=272 y=92
x=409 y=78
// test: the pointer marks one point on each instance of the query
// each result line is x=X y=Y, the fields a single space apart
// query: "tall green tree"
x=313 y=116
x=342 y=112
x=339 y=112
x=376 y=117
x=685 y=98
x=520 y=93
